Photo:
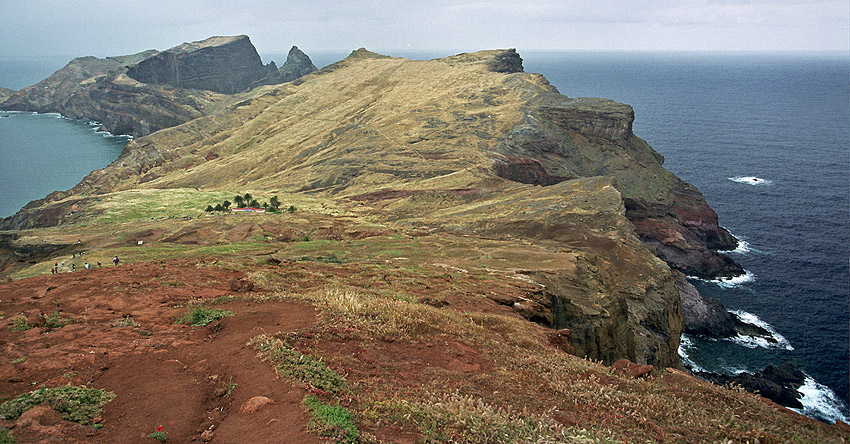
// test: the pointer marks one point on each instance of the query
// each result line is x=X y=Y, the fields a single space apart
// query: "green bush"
x=199 y=315
x=76 y=403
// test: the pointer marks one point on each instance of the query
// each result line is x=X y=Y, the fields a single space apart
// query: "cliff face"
x=145 y=92
x=225 y=65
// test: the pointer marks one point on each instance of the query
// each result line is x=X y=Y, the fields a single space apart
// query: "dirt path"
x=163 y=374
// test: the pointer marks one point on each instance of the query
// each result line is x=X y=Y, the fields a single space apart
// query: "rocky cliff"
x=225 y=65
x=145 y=92
x=297 y=65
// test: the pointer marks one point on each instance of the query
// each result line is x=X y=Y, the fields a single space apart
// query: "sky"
x=117 y=27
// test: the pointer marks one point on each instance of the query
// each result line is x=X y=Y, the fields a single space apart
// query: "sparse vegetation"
x=55 y=320
x=126 y=321
x=159 y=434
x=248 y=201
x=295 y=365
x=20 y=360
x=76 y=403
x=198 y=315
x=20 y=324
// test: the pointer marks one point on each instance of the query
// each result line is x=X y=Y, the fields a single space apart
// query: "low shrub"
x=198 y=315
x=332 y=421
x=76 y=403
x=295 y=365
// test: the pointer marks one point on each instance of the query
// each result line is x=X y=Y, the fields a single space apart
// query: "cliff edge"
x=142 y=93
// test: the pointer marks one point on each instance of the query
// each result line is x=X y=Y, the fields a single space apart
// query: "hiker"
x=98 y=264
x=88 y=267
x=115 y=261
x=73 y=267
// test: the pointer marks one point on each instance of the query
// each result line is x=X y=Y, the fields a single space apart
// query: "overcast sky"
x=117 y=27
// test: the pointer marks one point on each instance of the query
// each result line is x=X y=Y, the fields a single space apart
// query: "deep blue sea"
x=766 y=138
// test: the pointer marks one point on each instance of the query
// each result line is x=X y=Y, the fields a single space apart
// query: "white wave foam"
x=742 y=248
x=54 y=115
x=758 y=341
x=751 y=180
x=686 y=345
x=729 y=282
x=821 y=402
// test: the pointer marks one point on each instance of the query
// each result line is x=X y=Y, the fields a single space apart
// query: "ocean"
x=765 y=137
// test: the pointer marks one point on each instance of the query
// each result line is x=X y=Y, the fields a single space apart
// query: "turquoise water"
x=42 y=153
x=719 y=119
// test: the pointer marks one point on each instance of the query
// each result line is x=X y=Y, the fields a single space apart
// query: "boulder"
x=779 y=383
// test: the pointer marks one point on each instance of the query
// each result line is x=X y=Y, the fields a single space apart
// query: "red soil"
x=163 y=374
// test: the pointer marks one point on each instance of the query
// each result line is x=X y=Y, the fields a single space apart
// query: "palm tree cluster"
x=248 y=201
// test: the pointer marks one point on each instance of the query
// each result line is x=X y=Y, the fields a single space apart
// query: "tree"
x=291 y=209
x=247 y=198
x=226 y=205
x=209 y=209
x=254 y=204
x=239 y=201
x=274 y=203
x=218 y=207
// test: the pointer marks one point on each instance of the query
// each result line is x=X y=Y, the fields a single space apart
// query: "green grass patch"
x=293 y=364
x=20 y=324
x=310 y=245
x=20 y=360
x=78 y=404
x=198 y=315
x=331 y=421
x=6 y=436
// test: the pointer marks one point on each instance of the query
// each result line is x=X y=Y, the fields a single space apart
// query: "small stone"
x=254 y=404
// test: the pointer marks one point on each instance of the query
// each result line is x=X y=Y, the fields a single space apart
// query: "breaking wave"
x=820 y=402
x=779 y=341
x=751 y=180
x=685 y=346
x=729 y=282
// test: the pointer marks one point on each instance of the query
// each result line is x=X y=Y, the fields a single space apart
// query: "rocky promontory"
x=141 y=93
x=469 y=250
x=474 y=123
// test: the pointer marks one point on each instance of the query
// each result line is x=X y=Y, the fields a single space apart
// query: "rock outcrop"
x=225 y=65
x=779 y=383
x=297 y=65
x=142 y=93
x=707 y=316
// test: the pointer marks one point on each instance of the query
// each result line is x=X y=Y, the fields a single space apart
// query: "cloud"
x=101 y=27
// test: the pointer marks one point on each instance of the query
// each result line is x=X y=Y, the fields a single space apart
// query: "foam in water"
x=686 y=345
x=742 y=248
x=729 y=282
x=751 y=180
x=819 y=401
x=757 y=341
